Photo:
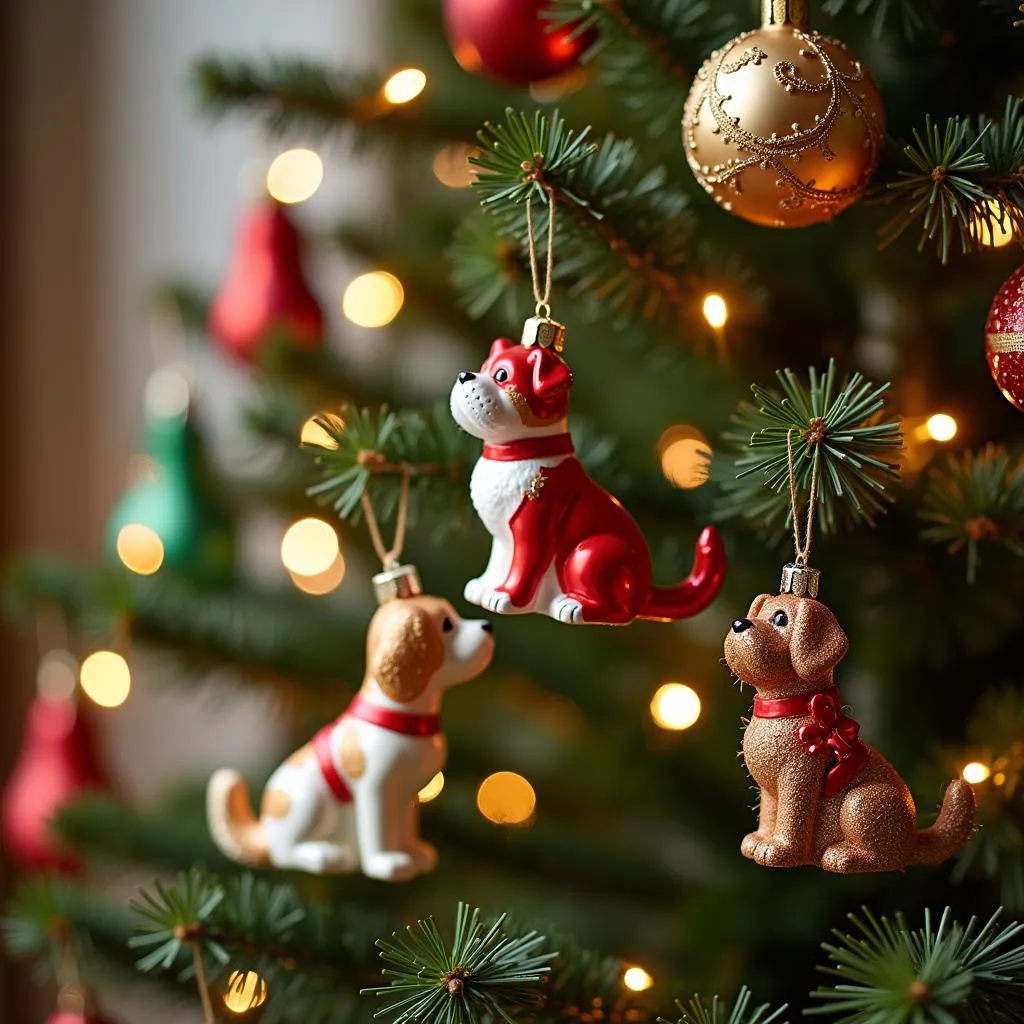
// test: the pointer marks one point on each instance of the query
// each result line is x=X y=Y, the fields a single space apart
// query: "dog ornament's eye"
x=501 y=376
x=780 y=619
x=447 y=626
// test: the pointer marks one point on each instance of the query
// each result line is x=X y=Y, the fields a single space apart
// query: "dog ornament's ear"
x=500 y=345
x=551 y=373
x=756 y=605
x=405 y=650
x=818 y=643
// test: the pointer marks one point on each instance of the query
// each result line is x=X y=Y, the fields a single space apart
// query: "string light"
x=313 y=433
x=941 y=427
x=452 y=167
x=685 y=456
x=106 y=678
x=636 y=979
x=140 y=548
x=506 y=799
x=321 y=583
x=975 y=772
x=295 y=175
x=992 y=226
x=246 y=990
x=716 y=312
x=309 y=547
x=374 y=299
x=675 y=706
x=432 y=789
x=404 y=85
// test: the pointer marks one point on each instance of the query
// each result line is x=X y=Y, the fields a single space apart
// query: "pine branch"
x=700 y=1011
x=837 y=432
x=948 y=974
x=914 y=17
x=976 y=499
x=967 y=182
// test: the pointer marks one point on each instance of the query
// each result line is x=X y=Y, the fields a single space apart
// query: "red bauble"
x=508 y=40
x=1004 y=339
x=265 y=292
x=57 y=762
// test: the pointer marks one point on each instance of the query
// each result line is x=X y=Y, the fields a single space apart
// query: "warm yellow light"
x=452 y=167
x=992 y=226
x=941 y=427
x=506 y=799
x=140 y=548
x=431 y=789
x=636 y=979
x=246 y=991
x=404 y=85
x=309 y=547
x=715 y=310
x=374 y=299
x=106 y=678
x=999 y=778
x=57 y=675
x=313 y=433
x=675 y=706
x=685 y=456
x=294 y=175
x=322 y=582
x=976 y=772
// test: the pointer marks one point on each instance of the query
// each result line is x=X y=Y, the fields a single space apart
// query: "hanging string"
x=389 y=556
x=543 y=299
x=803 y=550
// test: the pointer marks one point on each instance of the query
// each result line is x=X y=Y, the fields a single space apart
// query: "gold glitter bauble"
x=783 y=126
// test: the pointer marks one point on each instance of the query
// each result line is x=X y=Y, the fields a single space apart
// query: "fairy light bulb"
x=404 y=85
x=636 y=979
x=314 y=433
x=374 y=299
x=140 y=548
x=685 y=456
x=294 y=175
x=675 y=706
x=246 y=990
x=106 y=678
x=716 y=312
x=506 y=799
x=432 y=789
x=941 y=427
x=975 y=772
x=309 y=547
x=992 y=226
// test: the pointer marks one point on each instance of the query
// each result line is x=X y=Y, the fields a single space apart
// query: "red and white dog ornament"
x=562 y=546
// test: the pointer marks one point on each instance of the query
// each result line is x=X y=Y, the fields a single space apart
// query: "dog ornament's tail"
x=952 y=828
x=233 y=825
x=698 y=590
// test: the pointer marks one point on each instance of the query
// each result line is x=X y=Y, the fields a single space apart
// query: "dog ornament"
x=562 y=546
x=827 y=798
x=347 y=800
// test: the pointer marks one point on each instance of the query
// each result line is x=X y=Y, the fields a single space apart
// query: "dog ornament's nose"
x=741 y=625
x=465 y=377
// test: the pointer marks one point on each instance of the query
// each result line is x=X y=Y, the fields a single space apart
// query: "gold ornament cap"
x=544 y=332
x=394 y=584
x=799 y=580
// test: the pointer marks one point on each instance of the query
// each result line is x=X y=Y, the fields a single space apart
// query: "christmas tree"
x=773 y=267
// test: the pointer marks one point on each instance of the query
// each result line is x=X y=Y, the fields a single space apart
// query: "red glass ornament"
x=57 y=762
x=1004 y=339
x=508 y=40
x=265 y=292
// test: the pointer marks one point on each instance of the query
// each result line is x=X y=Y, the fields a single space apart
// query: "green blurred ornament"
x=170 y=515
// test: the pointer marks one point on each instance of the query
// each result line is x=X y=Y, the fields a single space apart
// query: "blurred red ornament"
x=265 y=292
x=508 y=40
x=1004 y=339
x=57 y=763
x=72 y=1017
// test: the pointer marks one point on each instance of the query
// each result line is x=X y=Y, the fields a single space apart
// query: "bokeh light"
x=167 y=394
x=991 y=226
x=374 y=299
x=106 y=678
x=321 y=583
x=313 y=433
x=140 y=548
x=295 y=175
x=452 y=167
x=675 y=706
x=975 y=772
x=309 y=547
x=432 y=789
x=57 y=675
x=941 y=427
x=404 y=85
x=685 y=456
x=506 y=799
x=716 y=312
x=246 y=990
x=636 y=979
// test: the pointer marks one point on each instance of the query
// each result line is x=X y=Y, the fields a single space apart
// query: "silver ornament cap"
x=393 y=584
x=799 y=580
x=543 y=332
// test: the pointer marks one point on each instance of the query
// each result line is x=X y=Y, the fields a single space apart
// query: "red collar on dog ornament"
x=829 y=730
x=530 y=448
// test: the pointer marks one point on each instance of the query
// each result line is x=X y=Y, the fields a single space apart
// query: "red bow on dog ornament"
x=562 y=546
x=832 y=730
